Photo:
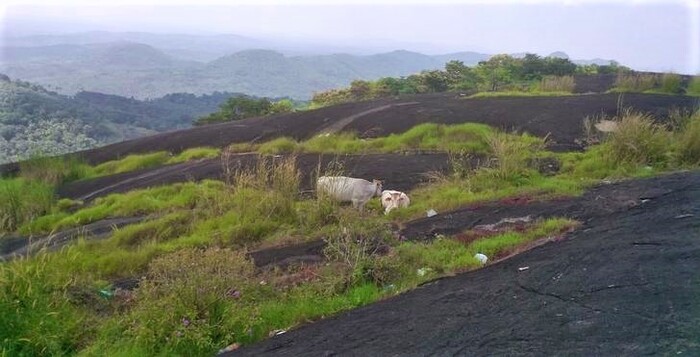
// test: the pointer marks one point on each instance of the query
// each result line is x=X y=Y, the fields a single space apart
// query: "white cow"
x=348 y=189
x=394 y=199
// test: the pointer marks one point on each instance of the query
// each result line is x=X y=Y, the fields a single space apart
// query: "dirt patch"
x=624 y=283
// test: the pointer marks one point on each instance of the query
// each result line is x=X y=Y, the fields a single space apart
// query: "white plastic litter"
x=423 y=271
x=481 y=258
x=431 y=213
x=523 y=268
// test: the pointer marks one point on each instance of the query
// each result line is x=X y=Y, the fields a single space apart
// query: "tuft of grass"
x=687 y=140
x=561 y=84
x=54 y=170
x=39 y=315
x=510 y=155
x=195 y=154
x=22 y=201
x=637 y=140
x=131 y=163
x=277 y=146
x=468 y=137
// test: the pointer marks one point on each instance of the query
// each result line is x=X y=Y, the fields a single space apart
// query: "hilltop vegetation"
x=500 y=73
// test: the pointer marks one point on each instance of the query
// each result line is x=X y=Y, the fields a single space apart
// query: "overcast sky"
x=656 y=35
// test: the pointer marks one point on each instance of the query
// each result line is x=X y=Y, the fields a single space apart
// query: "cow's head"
x=392 y=200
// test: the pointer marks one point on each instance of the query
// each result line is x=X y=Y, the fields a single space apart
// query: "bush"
x=670 y=83
x=22 y=201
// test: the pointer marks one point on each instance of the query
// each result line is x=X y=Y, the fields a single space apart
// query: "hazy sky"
x=658 y=35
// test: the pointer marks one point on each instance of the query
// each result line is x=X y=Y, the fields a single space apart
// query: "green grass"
x=538 y=93
x=195 y=154
x=131 y=163
x=22 y=201
x=468 y=137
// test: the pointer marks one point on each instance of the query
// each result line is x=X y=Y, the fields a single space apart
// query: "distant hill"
x=142 y=71
x=35 y=120
x=149 y=66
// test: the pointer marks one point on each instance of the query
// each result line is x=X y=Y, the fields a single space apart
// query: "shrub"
x=22 y=201
x=670 y=83
x=637 y=140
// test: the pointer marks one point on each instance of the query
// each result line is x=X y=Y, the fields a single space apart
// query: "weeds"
x=637 y=140
x=635 y=82
x=22 y=201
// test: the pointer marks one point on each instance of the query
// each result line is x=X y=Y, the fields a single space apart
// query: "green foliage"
x=241 y=107
x=500 y=72
x=22 y=201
